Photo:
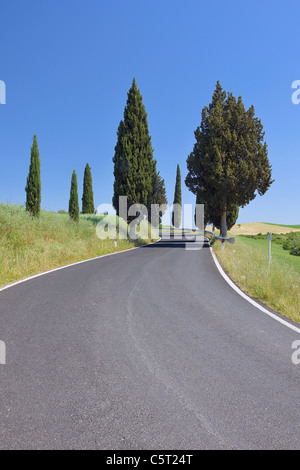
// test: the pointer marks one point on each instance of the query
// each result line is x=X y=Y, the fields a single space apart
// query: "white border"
x=242 y=294
x=74 y=264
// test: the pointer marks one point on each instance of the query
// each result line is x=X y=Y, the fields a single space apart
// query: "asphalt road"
x=147 y=349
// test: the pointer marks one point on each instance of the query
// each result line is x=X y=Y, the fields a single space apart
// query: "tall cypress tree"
x=158 y=196
x=134 y=166
x=232 y=214
x=33 y=186
x=229 y=163
x=87 y=194
x=176 y=213
x=73 y=202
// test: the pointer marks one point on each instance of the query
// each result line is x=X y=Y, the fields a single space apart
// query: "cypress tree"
x=134 y=166
x=232 y=214
x=229 y=163
x=87 y=194
x=176 y=213
x=212 y=217
x=158 y=196
x=73 y=202
x=33 y=186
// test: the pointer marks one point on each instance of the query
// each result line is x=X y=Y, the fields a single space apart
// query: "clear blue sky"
x=68 y=65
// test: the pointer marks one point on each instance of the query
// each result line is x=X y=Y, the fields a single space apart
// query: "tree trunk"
x=223 y=227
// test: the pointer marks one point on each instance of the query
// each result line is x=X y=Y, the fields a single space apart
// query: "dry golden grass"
x=254 y=228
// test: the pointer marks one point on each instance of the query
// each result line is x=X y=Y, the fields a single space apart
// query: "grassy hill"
x=31 y=245
x=262 y=227
x=293 y=227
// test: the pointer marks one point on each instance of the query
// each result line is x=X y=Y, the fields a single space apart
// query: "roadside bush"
x=212 y=240
x=295 y=249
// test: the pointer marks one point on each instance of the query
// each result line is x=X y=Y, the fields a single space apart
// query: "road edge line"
x=246 y=297
x=73 y=264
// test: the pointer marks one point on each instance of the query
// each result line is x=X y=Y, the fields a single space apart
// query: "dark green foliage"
x=232 y=214
x=229 y=163
x=87 y=194
x=295 y=247
x=210 y=216
x=134 y=166
x=61 y=211
x=199 y=200
x=212 y=240
x=176 y=213
x=33 y=186
x=73 y=202
x=289 y=241
x=158 y=196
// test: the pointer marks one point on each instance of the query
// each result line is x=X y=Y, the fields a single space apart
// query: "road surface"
x=147 y=349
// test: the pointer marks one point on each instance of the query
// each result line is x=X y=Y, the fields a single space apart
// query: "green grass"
x=277 y=252
x=247 y=264
x=31 y=245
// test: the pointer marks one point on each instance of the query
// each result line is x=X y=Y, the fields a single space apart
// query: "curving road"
x=147 y=349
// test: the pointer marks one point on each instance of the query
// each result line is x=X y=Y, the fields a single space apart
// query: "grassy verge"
x=246 y=262
x=30 y=246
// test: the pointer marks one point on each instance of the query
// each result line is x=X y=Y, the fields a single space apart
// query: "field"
x=277 y=252
x=246 y=262
x=261 y=227
x=33 y=245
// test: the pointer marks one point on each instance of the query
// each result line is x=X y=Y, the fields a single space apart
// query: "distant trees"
x=229 y=163
x=87 y=195
x=134 y=166
x=176 y=213
x=73 y=201
x=33 y=186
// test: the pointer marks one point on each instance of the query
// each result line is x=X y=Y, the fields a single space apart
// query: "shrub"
x=212 y=240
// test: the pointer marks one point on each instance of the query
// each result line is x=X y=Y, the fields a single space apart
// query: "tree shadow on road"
x=180 y=242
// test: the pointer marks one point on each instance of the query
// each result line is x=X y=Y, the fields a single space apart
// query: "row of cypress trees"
x=135 y=170
x=227 y=168
x=33 y=188
x=87 y=195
